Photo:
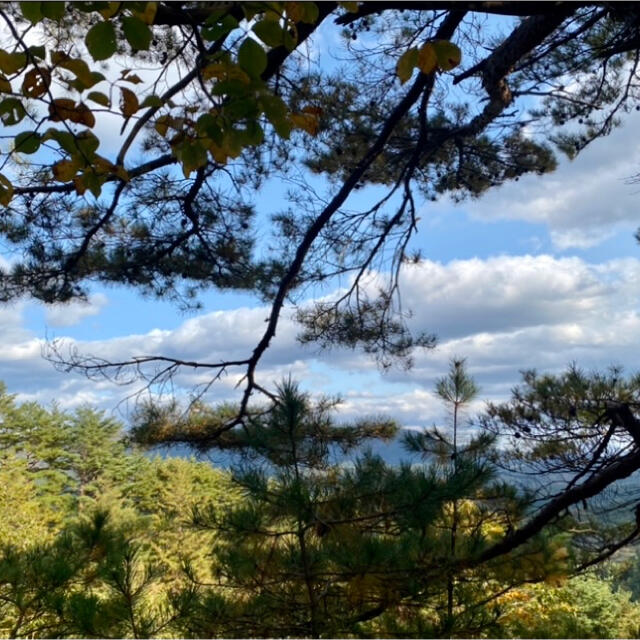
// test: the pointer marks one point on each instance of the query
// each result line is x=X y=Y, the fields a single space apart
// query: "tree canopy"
x=140 y=134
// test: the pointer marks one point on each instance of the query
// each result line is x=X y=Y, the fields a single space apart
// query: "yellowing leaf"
x=406 y=64
x=447 y=54
x=6 y=191
x=12 y=62
x=66 y=109
x=65 y=170
x=128 y=102
x=149 y=14
x=110 y=10
x=308 y=120
x=427 y=60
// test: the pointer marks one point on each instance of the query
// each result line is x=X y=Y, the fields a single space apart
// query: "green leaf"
x=406 y=64
x=52 y=10
x=100 y=98
x=252 y=58
x=38 y=52
x=27 y=142
x=192 y=155
x=253 y=134
x=12 y=62
x=11 y=111
x=152 y=101
x=207 y=125
x=66 y=140
x=219 y=28
x=270 y=32
x=136 y=32
x=31 y=11
x=87 y=143
x=101 y=40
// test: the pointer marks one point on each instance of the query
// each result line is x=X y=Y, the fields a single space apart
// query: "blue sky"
x=535 y=274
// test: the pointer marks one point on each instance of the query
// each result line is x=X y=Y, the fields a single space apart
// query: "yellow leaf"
x=162 y=125
x=6 y=191
x=128 y=102
x=406 y=64
x=447 y=54
x=427 y=60
x=308 y=122
x=149 y=14
x=218 y=153
x=110 y=10
x=65 y=170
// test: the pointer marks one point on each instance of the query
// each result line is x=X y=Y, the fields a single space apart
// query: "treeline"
x=99 y=539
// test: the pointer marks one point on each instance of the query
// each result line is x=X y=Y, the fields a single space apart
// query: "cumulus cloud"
x=584 y=202
x=503 y=314
x=72 y=313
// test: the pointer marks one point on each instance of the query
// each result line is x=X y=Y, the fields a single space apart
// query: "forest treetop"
x=101 y=100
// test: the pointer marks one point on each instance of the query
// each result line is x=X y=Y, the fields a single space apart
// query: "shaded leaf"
x=252 y=57
x=27 y=142
x=52 y=10
x=148 y=15
x=31 y=11
x=5 y=85
x=12 y=111
x=12 y=62
x=152 y=101
x=136 y=32
x=99 y=98
x=101 y=40
x=219 y=28
x=269 y=32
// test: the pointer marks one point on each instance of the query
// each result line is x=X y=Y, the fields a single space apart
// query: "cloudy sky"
x=536 y=274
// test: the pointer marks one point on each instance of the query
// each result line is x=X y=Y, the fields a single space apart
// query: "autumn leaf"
x=406 y=64
x=35 y=83
x=128 y=102
x=447 y=54
x=6 y=190
x=427 y=59
x=65 y=170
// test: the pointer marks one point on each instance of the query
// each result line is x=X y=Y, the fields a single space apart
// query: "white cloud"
x=584 y=201
x=503 y=314
x=70 y=314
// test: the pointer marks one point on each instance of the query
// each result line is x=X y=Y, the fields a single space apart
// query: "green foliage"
x=309 y=536
x=584 y=607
